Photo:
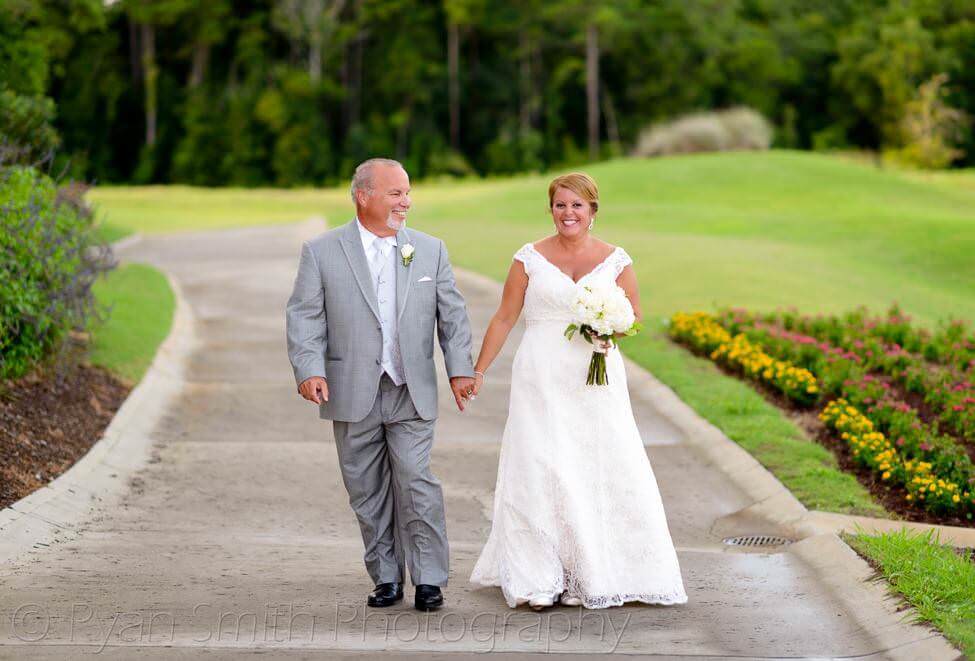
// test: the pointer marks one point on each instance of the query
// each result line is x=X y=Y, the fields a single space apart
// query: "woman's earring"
x=592 y=222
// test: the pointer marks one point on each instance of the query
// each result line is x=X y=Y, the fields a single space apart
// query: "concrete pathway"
x=236 y=538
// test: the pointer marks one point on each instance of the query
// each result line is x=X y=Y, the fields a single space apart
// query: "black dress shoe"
x=428 y=598
x=385 y=594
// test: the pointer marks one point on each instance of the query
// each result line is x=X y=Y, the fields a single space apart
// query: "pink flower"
x=957 y=407
x=900 y=441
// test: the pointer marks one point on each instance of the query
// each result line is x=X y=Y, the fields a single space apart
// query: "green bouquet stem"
x=597 y=364
x=597 y=370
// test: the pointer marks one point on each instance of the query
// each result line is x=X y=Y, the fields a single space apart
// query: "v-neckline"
x=567 y=276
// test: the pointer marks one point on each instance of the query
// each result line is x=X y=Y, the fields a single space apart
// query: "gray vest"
x=384 y=279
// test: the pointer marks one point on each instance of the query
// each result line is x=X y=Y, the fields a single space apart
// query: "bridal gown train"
x=576 y=504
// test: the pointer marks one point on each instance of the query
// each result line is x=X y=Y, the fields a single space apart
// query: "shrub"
x=49 y=259
x=931 y=129
x=26 y=131
x=724 y=130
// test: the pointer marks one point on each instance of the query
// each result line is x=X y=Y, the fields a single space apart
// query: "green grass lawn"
x=962 y=179
x=931 y=576
x=156 y=209
x=140 y=313
x=759 y=230
x=755 y=229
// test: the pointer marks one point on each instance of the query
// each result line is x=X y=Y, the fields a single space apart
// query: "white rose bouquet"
x=600 y=312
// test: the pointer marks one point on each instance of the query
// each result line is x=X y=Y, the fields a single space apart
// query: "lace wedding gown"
x=576 y=504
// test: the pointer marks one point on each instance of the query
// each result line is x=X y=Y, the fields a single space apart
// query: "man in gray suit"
x=360 y=322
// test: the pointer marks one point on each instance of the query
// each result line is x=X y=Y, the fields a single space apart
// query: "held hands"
x=464 y=390
x=314 y=389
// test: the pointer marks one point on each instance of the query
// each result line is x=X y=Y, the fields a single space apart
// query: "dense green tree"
x=293 y=92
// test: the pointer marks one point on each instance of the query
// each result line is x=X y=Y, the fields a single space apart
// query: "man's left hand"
x=463 y=388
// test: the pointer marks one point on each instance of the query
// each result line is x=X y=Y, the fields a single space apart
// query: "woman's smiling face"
x=571 y=213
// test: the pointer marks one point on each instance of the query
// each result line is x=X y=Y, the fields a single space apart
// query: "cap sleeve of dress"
x=620 y=260
x=526 y=255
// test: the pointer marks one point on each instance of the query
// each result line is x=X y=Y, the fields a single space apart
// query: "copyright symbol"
x=37 y=628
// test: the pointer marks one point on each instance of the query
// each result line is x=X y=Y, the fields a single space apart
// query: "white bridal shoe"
x=539 y=603
x=570 y=600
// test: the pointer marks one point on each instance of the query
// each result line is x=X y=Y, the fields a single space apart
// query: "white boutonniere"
x=406 y=252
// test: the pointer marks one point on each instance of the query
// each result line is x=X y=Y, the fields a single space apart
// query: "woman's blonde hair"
x=579 y=183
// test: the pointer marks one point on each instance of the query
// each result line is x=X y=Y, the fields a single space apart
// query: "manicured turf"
x=756 y=229
x=931 y=576
x=156 y=209
x=759 y=230
x=140 y=313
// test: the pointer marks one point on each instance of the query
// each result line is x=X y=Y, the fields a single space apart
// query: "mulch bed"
x=48 y=422
x=890 y=497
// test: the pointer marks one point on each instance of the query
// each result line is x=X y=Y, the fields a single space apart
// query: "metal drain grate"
x=757 y=540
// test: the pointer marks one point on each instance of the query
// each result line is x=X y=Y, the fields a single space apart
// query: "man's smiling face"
x=389 y=200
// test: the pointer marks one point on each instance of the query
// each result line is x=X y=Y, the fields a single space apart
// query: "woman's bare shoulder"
x=602 y=247
x=544 y=242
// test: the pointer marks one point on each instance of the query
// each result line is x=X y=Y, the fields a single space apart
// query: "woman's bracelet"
x=481 y=373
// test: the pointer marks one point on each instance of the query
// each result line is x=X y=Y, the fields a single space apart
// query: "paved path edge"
x=101 y=476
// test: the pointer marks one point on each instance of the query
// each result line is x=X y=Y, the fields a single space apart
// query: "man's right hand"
x=314 y=389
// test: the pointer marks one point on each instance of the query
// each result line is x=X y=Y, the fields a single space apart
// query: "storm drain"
x=757 y=540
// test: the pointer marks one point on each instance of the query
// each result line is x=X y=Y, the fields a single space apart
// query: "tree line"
x=293 y=92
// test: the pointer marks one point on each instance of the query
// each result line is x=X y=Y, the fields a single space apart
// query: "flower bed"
x=845 y=374
x=703 y=334
x=885 y=433
x=938 y=368
x=874 y=450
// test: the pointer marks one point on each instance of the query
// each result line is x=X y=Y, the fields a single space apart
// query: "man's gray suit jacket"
x=333 y=325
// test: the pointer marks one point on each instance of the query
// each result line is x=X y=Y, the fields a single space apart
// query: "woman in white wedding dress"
x=578 y=517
